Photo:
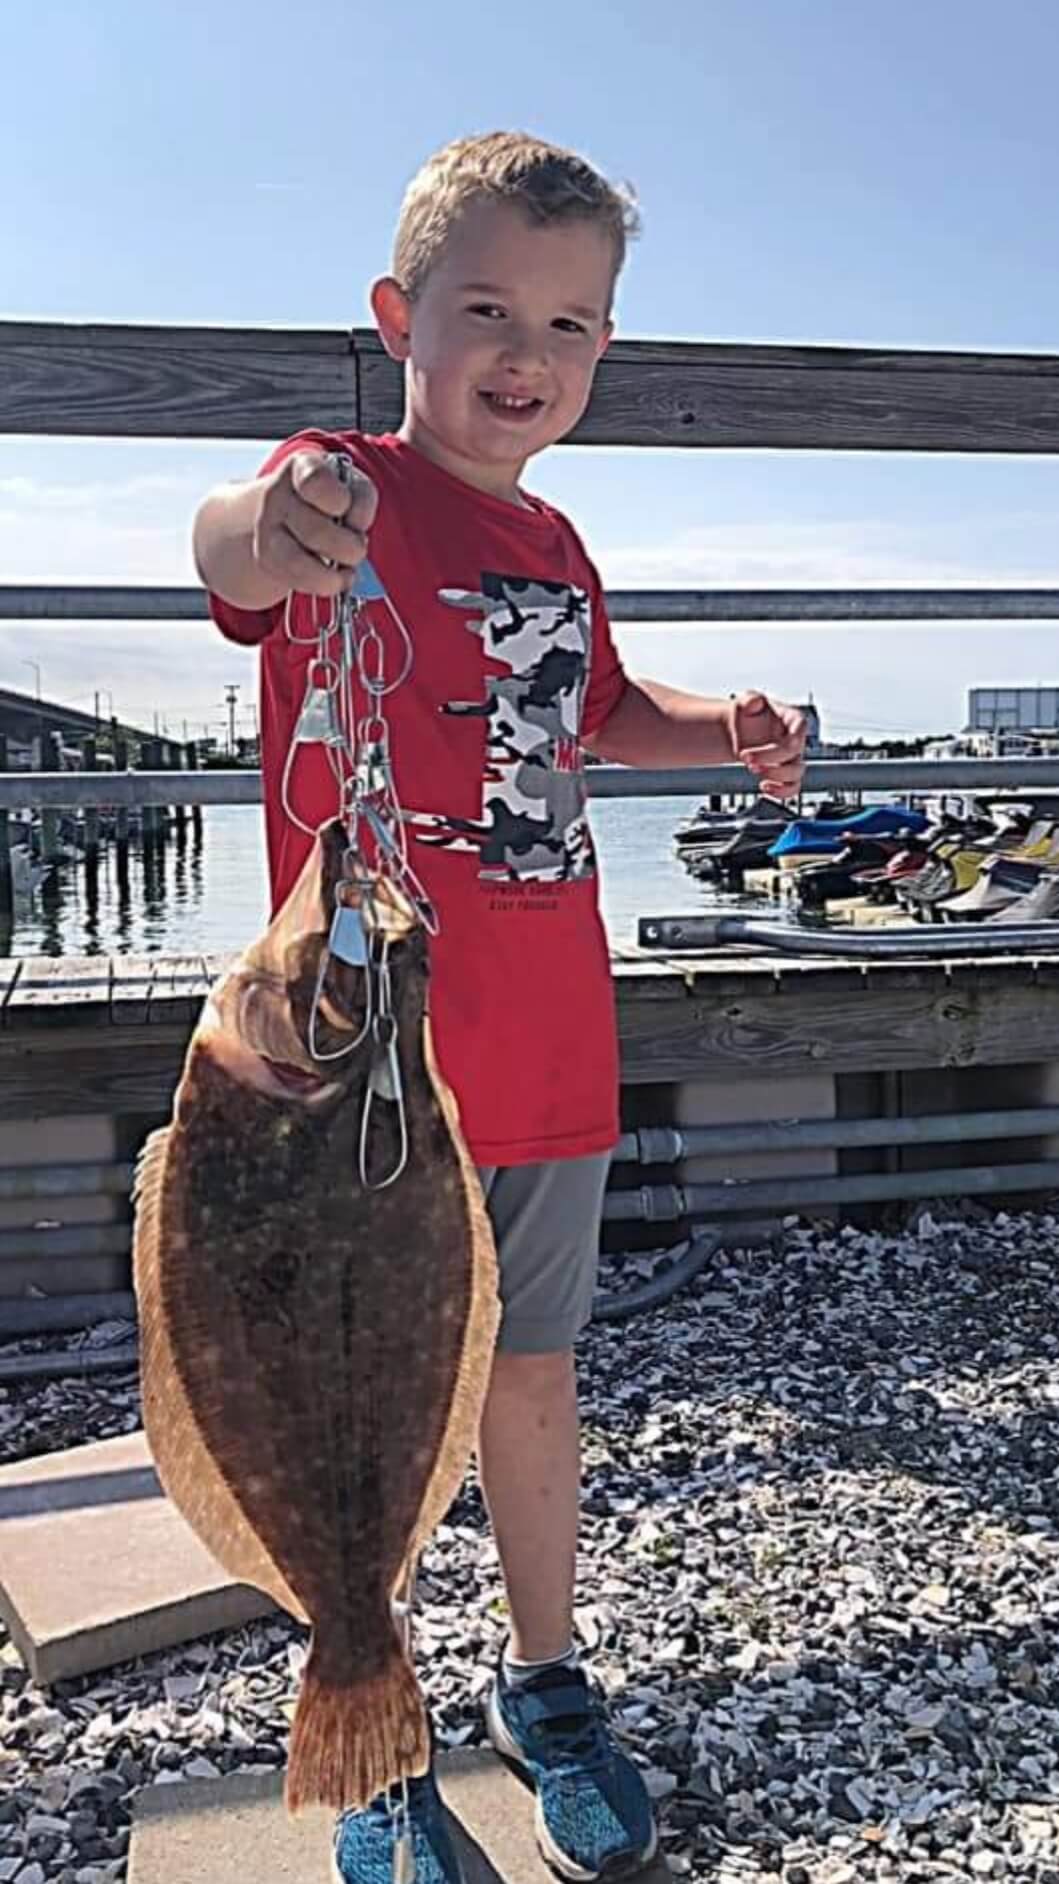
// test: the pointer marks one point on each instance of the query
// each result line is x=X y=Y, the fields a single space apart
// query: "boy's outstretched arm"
x=658 y=726
x=297 y=528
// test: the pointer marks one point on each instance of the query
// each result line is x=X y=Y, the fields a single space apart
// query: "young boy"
x=499 y=306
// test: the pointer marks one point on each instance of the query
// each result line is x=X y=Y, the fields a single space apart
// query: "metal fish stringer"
x=351 y=653
x=404 y=1854
x=384 y=1082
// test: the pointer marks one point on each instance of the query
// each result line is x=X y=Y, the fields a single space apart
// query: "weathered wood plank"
x=10 y=975
x=161 y=989
x=197 y=382
x=57 y=990
x=106 y=1069
x=660 y=1041
x=810 y=398
x=897 y=1026
x=722 y=1017
x=62 y=378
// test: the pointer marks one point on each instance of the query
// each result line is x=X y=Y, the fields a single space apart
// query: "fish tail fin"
x=351 y=1740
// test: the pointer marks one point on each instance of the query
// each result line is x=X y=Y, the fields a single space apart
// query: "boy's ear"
x=393 y=313
x=605 y=339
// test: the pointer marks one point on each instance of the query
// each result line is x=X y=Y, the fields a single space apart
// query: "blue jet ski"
x=824 y=837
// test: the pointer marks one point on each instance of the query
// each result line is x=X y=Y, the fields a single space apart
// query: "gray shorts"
x=545 y=1219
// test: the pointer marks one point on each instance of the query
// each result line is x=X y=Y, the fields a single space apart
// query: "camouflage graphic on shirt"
x=532 y=824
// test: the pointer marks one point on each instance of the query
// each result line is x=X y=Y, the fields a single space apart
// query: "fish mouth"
x=257 y=1047
x=296 y=1080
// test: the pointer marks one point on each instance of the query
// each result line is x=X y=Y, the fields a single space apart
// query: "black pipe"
x=691 y=1257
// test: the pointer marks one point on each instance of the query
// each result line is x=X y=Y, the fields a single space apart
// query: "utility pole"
x=229 y=695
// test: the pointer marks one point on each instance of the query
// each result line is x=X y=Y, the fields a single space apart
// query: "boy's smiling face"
x=502 y=341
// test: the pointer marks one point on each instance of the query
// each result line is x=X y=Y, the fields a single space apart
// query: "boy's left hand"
x=769 y=738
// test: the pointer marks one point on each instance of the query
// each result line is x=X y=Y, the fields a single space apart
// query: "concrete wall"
x=73 y=1139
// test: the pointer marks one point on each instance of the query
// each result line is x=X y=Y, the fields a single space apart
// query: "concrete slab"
x=96 y=1565
x=228 y=1830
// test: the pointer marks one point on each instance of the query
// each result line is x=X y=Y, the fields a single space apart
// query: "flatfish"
x=315 y=1353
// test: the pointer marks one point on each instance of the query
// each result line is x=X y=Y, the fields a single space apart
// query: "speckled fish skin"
x=315 y=1356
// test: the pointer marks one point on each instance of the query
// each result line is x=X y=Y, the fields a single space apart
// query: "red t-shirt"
x=513 y=664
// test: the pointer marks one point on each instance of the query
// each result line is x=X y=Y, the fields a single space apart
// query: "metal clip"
x=385 y=1076
x=347 y=942
x=381 y=832
x=404 y=1857
x=317 y=724
x=321 y=629
x=403 y=1862
x=374 y=769
x=367 y=586
x=384 y=1082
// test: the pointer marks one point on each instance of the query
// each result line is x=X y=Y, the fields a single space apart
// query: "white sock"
x=516 y=1672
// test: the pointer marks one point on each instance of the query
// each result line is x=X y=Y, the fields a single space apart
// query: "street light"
x=36 y=668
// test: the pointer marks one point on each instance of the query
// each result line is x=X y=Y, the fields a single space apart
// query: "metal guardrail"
x=67 y=790
x=668 y=1203
x=674 y=934
x=670 y=1144
x=66 y=602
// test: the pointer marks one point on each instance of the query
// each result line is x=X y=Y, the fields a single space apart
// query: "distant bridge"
x=25 y=720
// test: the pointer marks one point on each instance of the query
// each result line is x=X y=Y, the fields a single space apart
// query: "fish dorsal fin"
x=476 y=1360
x=147 y=1176
x=186 y=1468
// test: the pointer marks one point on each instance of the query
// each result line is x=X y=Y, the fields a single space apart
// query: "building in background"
x=813 y=744
x=1013 y=710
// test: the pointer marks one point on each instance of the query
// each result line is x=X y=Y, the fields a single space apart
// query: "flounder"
x=315 y=1354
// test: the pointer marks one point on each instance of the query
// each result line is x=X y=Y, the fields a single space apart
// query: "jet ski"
x=1039 y=904
x=712 y=827
x=1004 y=877
x=828 y=837
x=816 y=884
x=745 y=846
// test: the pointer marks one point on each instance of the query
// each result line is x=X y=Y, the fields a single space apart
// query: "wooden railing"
x=68 y=379
x=90 y=380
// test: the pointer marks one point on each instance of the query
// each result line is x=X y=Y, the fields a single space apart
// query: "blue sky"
x=808 y=170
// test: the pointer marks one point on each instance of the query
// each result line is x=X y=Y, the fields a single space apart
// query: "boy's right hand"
x=311 y=529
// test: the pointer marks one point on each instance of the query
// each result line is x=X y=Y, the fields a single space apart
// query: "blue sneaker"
x=364 y=1841
x=594 y=1817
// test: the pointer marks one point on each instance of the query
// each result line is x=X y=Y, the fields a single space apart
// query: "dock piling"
x=121 y=816
x=191 y=754
x=54 y=761
x=176 y=758
x=152 y=818
x=7 y=888
x=89 y=763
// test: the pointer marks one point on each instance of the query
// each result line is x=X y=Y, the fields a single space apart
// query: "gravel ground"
x=819 y=1578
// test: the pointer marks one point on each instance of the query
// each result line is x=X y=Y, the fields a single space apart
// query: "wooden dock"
x=91 y=1048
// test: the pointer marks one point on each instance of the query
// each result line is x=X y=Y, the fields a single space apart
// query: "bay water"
x=212 y=899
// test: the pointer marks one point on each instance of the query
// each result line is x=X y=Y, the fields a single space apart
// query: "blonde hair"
x=547 y=183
